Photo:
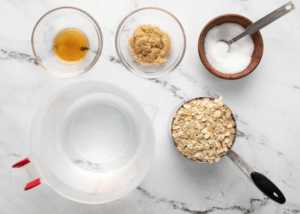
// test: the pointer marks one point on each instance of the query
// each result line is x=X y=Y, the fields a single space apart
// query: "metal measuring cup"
x=265 y=185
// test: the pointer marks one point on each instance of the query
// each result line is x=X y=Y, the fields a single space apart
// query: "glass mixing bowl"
x=91 y=141
x=50 y=25
x=154 y=16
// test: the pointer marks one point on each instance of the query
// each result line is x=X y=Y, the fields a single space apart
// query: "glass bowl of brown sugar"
x=67 y=42
x=142 y=38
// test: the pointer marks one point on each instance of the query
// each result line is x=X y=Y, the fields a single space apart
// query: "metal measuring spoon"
x=266 y=186
x=263 y=22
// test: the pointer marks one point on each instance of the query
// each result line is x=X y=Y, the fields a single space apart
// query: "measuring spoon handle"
x=263 y=22
x=261 y=182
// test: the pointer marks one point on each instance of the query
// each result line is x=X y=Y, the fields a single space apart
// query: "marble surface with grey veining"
x=266 y=105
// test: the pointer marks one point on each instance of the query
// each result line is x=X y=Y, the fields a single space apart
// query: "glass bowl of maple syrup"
x=67 y=42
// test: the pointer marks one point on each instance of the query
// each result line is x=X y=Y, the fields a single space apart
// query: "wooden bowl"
x=256 y=37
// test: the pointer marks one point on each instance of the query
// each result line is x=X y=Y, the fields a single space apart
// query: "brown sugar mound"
x=149 y=45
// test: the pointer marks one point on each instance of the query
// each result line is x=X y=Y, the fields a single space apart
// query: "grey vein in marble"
x=135 y=3
x=237 y=118
x=240 y=134
x=188 y=77
x=114 y=60
x=110 y=31
x=5 y=151
x=176 y=205
x=20 y=57
x=297 y=87
x=209 y=93
x=172 y=88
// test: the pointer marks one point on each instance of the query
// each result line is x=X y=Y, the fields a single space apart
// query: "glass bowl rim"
x=100 y=40
x=133 y=70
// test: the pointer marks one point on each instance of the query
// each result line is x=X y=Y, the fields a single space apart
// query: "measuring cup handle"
x=32 y=175
x=267 y=187
x=261 y=182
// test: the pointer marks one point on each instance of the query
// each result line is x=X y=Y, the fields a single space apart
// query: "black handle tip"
x=268 y=187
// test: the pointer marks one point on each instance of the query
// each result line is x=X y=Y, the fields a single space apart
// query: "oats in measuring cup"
x=203 y=129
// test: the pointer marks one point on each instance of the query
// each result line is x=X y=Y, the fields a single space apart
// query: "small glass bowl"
x=154 y=16
x=50 y=25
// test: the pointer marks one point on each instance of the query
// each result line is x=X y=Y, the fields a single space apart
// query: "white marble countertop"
x=266 y=104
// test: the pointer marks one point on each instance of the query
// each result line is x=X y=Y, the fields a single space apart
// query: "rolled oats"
x=203 y=129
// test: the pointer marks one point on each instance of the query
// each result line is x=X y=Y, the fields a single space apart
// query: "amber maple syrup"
x=71 y=45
